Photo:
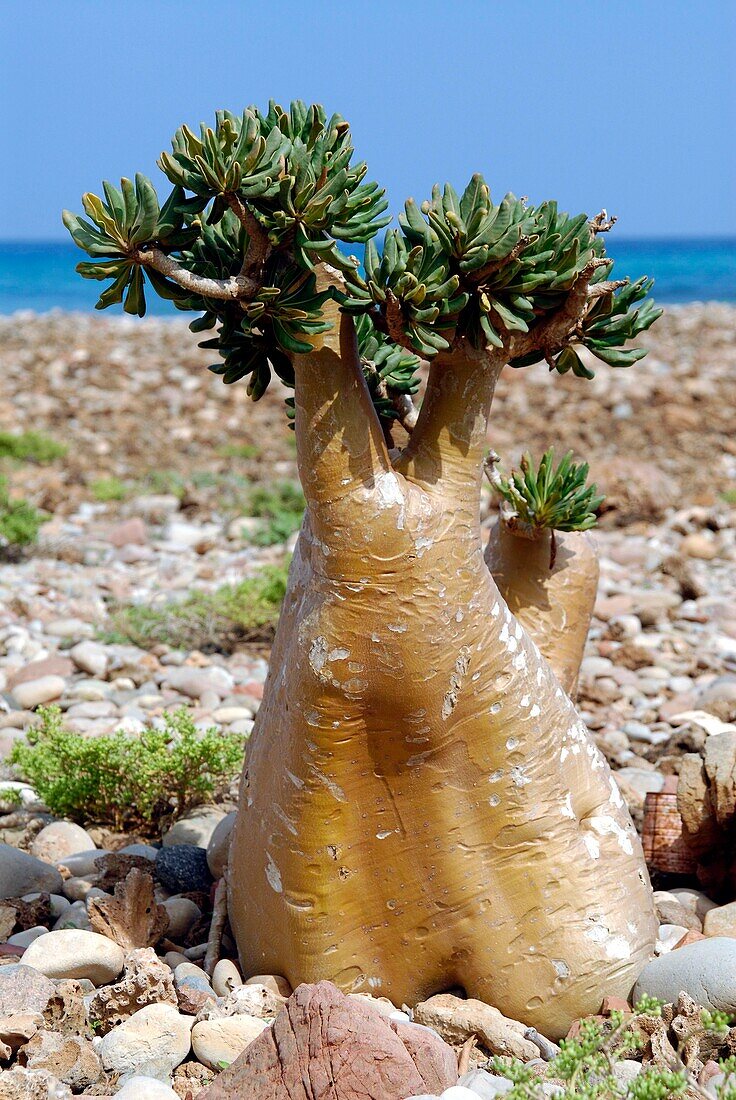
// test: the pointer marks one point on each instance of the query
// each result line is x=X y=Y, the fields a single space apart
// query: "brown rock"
x=635 y=490
x=132 y=918
x=721 y=921
x=720 y=768
x=17 y=1029
x=615 y=1004
x=688 y=938
x=457 y=1020
x=326 y=1046
x=49 y=666
x=130 y=531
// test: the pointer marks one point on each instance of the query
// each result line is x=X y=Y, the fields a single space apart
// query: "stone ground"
x=144 y=421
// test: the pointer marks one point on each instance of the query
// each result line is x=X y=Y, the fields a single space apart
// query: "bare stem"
x=235 y=288
x=217 y=926
x=259 y=245
x=408 y=413
x=555 y=333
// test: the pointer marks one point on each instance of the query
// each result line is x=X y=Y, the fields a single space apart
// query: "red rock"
x=615 y=1004
x=710 y=1069
x=130 y=531
x=326 y=1046
x=576 y=1025
x=49 y=666
x=10 y=951
x=688 y=938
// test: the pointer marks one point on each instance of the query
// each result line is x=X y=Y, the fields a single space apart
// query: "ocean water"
x=40 y=276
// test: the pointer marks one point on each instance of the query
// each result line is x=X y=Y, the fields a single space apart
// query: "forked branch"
x=237 y=287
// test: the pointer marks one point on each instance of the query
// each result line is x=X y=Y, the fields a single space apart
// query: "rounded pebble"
x=74 y=953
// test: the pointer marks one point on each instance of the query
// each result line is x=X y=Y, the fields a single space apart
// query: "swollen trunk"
x=554 y=603
x=421 y=807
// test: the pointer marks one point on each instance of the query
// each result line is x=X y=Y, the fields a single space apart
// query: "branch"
x=259 y=245
x=601 y=223
x=407 y=410
x=234 y=288
x=394 y=322
x=554 y=333
x=476 y=278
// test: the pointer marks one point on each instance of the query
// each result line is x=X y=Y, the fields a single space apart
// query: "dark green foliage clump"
x=552 y=497
x=20 y=522
x=139 y=781
x=208 y=621
x=261 y=198
x=31 y=447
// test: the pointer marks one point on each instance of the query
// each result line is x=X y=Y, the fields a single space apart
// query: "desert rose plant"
x=544 y=563
x=421 y=807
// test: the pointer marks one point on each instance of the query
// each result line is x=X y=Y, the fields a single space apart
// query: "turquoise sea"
x=40 y=276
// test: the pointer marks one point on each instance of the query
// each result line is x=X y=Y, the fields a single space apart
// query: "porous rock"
x=457 y=1020
x=70 y=1058
x=147 y=980
x=245 y=1000
x=20 y=1083
x=324 y=1045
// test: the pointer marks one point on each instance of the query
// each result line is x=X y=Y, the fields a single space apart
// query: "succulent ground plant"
x=541 y=557
x=421 y=807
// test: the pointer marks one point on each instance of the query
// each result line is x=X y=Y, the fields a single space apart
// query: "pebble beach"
x=151 y=500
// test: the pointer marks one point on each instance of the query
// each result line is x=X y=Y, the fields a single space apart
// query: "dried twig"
x=217 y=927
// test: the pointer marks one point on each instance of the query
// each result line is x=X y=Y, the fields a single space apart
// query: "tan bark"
x=421 y=807
x=554 y=605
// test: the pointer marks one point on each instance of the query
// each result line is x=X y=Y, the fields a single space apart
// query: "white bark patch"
x=389 y=494
x=594 y=848
x=318 y=653
x=462 y=664
x=273 y=874
x=608 y=826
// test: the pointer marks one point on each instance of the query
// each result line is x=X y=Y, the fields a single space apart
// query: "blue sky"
x=627 y=105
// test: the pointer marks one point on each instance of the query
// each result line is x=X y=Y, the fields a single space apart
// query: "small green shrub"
x=169 y=482
x=20 y=522
x=126 y=780
x=239 y=450
x=585 y=1065
x=108 y=489
x=209 y=621
x=282 y=505
x=729 y=496
x=31 y=447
